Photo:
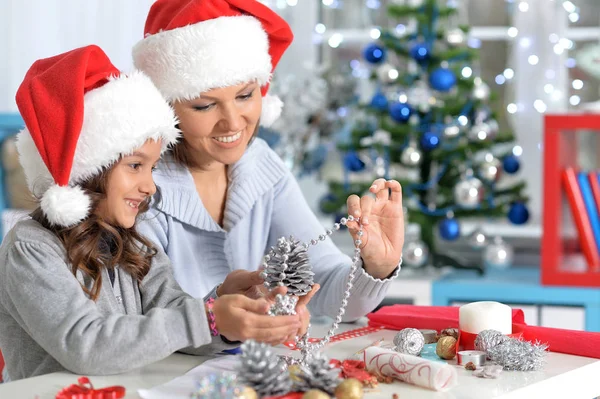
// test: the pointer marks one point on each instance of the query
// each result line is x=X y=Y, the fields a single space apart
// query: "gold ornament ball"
x=446 y=347
x=315 y=394
x=349 y=389
x=247 y=393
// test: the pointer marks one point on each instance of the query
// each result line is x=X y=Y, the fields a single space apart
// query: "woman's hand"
x=383 y=226
x=240 y=318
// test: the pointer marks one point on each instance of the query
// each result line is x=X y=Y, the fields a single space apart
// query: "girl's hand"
x=239 y=318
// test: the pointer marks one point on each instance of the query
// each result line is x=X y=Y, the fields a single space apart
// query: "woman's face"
x=219 y=124
x=129 y=183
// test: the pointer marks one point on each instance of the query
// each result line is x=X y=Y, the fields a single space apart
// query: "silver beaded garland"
x=409 y=341
x=307 y=348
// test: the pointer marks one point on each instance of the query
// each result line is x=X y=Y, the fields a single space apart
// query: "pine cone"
x=318 y=374
x=262 y=370
x=287 y=265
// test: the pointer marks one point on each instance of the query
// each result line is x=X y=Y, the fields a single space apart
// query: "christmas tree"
x=431 y=125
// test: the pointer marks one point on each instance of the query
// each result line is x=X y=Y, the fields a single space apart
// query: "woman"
x=224 y=189
x=80 y=289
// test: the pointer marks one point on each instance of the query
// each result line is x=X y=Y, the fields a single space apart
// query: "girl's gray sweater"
x=48 y=323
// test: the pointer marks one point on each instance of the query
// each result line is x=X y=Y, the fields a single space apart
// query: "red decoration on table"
x=397 y=317
x=85 y=390
x=560 y=152
x=355 y=369
x=359 y=332
x=291 y=395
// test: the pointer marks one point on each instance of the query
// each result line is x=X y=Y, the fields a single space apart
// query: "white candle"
x=478 y=316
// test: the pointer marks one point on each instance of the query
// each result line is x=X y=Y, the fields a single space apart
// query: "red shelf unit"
x=561 y=260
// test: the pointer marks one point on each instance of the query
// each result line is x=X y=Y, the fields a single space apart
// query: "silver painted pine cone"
x=262 y=370
x=288 y=265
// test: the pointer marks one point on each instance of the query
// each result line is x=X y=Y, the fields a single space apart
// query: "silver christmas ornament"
x=491 y=169
x=493 y=126
x=452 y=130
x=488 y=339
x=409 y=341
x=481 y=91
x=455 y=37
x=318 y=373
x=419 y=95
x=387 y=73
x=284 y=305
x=262 y=370
x=519 y=355
x=411 y=155
x=498 y=254
x=287 y=265
x=477 y=239
x=481 y=132
x=415 y=253
x=469 y=192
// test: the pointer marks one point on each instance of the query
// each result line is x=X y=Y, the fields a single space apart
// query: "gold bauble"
x=247 y=393
x=349 y=389
x=446 y=347
x=315 y=394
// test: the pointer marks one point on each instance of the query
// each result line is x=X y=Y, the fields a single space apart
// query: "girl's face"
x=219 y=124
x=129 y=183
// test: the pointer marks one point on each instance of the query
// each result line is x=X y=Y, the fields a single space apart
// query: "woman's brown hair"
x=94 y=244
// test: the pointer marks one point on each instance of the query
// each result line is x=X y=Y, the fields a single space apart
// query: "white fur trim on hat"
x=65 y=206
x=271 y=110
x=119 y=117
x=193 y=59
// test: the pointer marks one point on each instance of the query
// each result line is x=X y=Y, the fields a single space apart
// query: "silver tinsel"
x=318 y=373
x=284 y=305
x=488 y=339
x=516 y=354
x=409 y=341
x=262 y=370
x=217 y=386
x=488 y=371
x=287 y=265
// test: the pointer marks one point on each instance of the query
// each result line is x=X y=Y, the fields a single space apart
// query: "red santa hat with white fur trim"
x=81 y=115
x=193 y=46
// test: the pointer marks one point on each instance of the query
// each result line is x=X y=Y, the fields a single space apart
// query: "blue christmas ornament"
x=518 y=213
x=374 y=54
x=449 y=229
x=511 y=164
x=352 y=162
x=400 y=112
x=442 y=79
x=379 y=102
x=430 y=141
x=420 y=52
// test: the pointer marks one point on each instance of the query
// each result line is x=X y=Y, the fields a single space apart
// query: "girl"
x=213 y=59
x=80 y=289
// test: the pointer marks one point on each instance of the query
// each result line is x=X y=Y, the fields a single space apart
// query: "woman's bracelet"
x=212 y=324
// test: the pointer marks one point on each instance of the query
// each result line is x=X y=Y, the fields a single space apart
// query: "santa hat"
x=81 y=115
x=193 y=46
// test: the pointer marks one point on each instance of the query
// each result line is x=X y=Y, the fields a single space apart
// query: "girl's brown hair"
x=94 y=244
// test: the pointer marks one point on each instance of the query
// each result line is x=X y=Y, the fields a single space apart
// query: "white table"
x=564 y=376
